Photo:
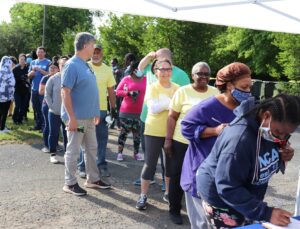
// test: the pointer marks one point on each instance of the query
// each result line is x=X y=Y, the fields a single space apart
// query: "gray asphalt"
x=31 y=193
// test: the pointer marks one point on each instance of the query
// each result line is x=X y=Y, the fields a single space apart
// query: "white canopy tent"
x=269 y=15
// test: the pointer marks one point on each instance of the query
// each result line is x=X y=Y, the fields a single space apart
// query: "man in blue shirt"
x=80 y=112
x=37 y=69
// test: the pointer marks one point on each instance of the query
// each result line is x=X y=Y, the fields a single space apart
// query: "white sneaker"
x=120 y=157
x=53 y=159
x=45 y=150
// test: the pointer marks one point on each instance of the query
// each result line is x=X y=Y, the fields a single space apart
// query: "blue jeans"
x=36 y=100
x=102 y=139
x=45 y=109
x=54 y=125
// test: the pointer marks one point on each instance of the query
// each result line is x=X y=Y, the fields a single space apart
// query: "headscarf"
x=230 y=73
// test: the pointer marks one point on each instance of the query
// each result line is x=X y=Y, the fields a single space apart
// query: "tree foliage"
x=189 y=41
x=58 y=20
x=14 y=39
x=272 y=56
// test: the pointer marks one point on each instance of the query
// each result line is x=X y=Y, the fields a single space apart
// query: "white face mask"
x=266 y=132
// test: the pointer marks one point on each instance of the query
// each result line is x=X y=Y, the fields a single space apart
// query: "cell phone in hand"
x=80 y=129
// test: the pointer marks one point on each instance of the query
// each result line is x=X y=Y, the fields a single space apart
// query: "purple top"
x=205 y=114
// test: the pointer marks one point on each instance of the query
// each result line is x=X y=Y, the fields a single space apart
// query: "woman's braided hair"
x=283 y=107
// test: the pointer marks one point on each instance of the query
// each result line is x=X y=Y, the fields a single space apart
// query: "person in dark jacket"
x=233 y=180
x=202 y=125
x=22 y=89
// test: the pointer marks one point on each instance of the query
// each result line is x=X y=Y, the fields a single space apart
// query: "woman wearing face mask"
x=132 y=88
x=201 y=126
x=233 y=180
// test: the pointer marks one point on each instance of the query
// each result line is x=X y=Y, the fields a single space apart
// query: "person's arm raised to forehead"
x=146 y=60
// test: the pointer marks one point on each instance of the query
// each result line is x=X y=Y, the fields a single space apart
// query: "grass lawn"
x=21 y=133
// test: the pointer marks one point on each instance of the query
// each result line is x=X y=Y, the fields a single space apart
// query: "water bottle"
x=125 y=88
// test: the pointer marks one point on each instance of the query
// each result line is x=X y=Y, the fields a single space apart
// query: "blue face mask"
x=139 y=73
x=240 y=95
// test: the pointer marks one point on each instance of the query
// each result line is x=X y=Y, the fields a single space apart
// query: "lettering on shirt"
x=268 y=165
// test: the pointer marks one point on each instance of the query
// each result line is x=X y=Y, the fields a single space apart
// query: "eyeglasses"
x=205 y=74
x=164 y=69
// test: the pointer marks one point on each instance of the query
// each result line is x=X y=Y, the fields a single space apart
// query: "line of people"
x=217 y=145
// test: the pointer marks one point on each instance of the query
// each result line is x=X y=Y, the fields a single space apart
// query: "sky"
x=4 y=10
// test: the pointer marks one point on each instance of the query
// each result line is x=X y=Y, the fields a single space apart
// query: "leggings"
x=154 y=146
x=4 y=107
x=127 y=125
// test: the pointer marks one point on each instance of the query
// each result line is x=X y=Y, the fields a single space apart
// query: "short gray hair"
x=200 y=64
x=83 y=38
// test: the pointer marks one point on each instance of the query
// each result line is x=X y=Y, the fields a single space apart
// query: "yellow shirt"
x=156 y=124
x=183 y=100
x=105 y=79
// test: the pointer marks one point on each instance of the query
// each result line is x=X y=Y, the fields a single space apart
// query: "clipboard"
x=295 y=224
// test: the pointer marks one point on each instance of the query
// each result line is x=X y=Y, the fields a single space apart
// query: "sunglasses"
x=206 y=74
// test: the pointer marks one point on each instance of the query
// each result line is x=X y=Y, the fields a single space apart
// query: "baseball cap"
x=97 y=47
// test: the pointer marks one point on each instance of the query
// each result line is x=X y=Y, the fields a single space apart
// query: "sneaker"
x=137 y=182
x=141 y=203
x=104 y=173
x=98 y=184
x=82 y=174
x=176 y=218
x=45 y=149
x=138 y=157
x=120 y=157
x=53 y=159
x=166 y=197
x=163 y=186
x=74 y=189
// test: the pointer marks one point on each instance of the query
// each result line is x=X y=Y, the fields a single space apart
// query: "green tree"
x=255 y=48
x=289 y=55
x=58 y=20
x=122 y=35
x=189 y=42
x=14 y=39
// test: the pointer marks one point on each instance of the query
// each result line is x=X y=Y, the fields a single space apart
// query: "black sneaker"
x=176 y=218
x=74 y=189
x=98 y=184
x=141 y=203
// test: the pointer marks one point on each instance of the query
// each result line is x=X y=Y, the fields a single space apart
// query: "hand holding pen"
x=220 y=127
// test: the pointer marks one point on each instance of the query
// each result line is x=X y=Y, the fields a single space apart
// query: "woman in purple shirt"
x=201 y=126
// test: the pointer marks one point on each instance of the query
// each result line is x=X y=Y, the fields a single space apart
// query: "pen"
x=216 y=120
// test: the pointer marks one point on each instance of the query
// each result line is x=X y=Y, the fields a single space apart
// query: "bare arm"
x=146 y=60
x=171 y=123
x=212 y=131
x=42 y=71
x=31 y=74
x=111 y=97
x=67 y=102
x=42 y=89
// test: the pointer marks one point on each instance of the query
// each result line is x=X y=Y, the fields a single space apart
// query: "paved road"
x=31 y=193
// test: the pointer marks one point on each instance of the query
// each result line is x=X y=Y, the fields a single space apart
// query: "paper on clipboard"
x=295 y=224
